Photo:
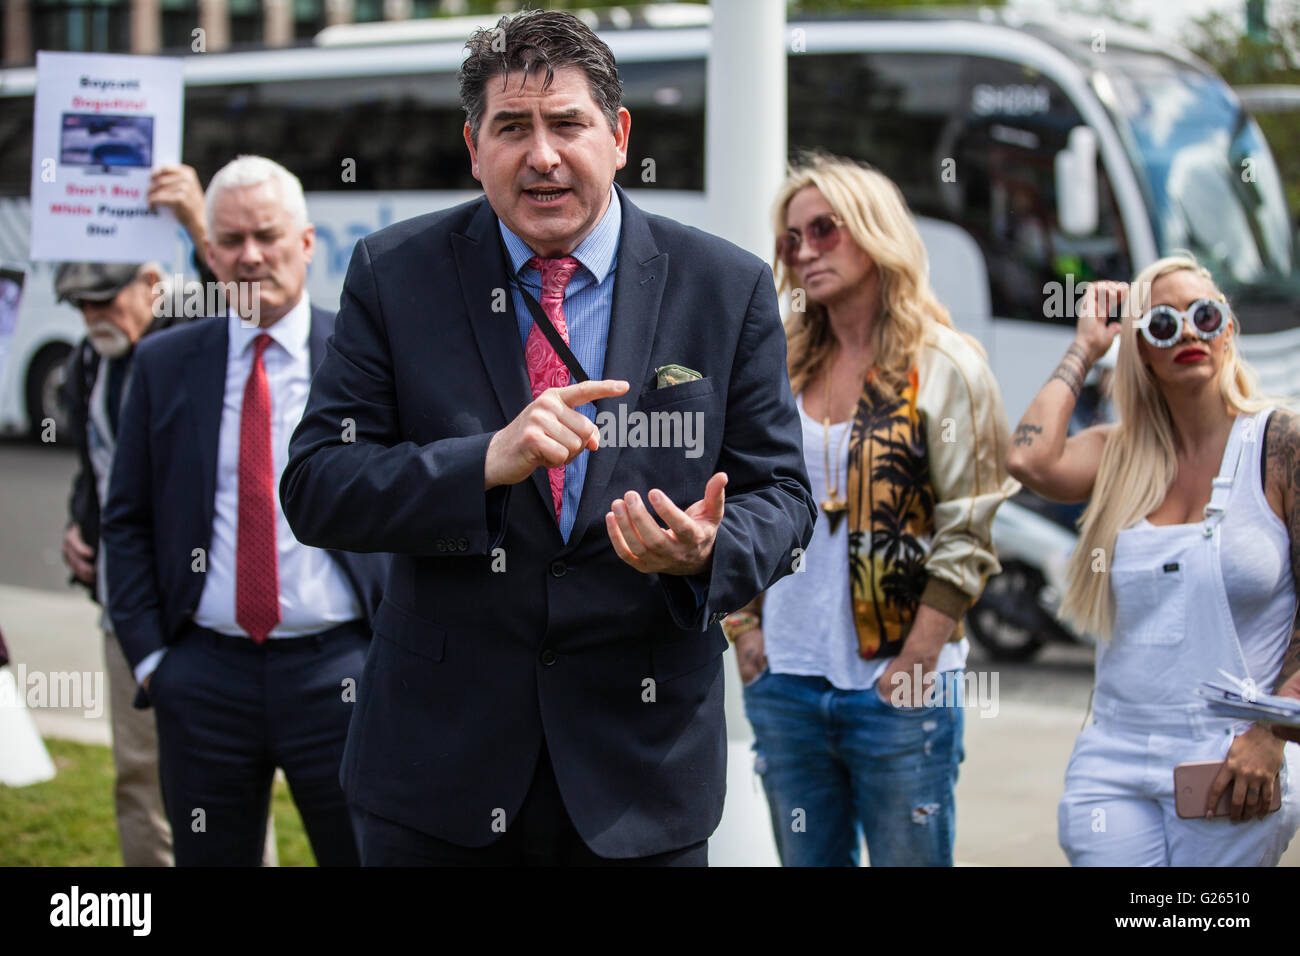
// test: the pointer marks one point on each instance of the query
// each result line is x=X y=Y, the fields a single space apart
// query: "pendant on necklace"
x=835 y=511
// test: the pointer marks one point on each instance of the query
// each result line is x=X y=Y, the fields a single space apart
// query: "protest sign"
x=103 y=123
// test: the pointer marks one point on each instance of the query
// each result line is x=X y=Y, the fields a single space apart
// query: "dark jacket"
x=161 y=495
x=495 y=635
x=79 y=377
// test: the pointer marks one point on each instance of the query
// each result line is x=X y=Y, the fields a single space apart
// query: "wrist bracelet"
x=737 y=623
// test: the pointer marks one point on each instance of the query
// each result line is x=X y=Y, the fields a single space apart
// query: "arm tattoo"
x=1282 y=452
x=1025 y=434
x=1073 y=368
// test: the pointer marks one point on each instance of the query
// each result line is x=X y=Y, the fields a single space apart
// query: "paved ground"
x=1006 y=796
x=34 y=485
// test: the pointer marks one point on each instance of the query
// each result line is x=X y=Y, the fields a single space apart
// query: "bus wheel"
x=44 y=377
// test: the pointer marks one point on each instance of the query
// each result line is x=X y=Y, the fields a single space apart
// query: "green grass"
x=68 y=821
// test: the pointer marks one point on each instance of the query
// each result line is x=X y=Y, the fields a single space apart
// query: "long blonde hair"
x=1139 y=460
x=873 y=210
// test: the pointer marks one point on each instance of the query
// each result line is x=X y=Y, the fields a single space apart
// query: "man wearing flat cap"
x=116 y=301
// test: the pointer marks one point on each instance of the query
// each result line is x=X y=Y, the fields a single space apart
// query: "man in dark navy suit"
x=247 y=643
x=545 y=685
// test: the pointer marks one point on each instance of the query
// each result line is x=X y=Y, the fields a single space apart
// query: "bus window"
x=971 y=140
x=404 y=132
x=666 y=100
x=401 y=132
x=1210 y=181
x=889 y=109
x=1016 y=122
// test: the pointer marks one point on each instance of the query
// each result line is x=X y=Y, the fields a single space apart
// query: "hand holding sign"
x=176 y=186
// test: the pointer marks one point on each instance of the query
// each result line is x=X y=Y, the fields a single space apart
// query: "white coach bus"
x=1060 y=151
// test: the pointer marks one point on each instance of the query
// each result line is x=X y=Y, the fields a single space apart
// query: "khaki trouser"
x=142 y=828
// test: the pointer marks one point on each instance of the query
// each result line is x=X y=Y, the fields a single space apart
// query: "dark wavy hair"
x=538 y=40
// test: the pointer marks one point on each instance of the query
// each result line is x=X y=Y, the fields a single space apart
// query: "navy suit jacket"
x=163 y=485
x=494 y=634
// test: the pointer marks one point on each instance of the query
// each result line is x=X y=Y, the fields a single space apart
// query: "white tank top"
x=808 y=625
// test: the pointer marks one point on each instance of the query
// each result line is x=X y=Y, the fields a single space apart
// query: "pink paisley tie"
x=545 y=368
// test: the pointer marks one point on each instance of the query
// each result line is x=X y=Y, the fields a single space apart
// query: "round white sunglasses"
x=1163 y=325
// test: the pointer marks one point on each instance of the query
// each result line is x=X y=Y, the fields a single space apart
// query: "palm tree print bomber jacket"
x=927 y=471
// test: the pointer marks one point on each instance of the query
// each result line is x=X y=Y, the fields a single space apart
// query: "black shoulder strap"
x=576 y=371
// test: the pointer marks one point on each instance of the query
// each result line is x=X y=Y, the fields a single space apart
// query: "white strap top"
x=1255 y=558
x=1256 y=561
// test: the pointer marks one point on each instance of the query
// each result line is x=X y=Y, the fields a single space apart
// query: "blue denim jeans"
x=839 y=763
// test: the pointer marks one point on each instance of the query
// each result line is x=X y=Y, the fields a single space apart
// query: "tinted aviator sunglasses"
x=1163 y=325
x=822 y=235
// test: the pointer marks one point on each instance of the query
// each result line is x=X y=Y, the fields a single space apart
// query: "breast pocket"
x=669 y=441
x=1151 y=603
x=659 y=397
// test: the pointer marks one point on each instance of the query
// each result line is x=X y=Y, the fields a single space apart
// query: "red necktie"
x=545 y=368
x=257 y=577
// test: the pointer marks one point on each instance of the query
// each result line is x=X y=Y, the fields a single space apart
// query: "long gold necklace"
x=834 y=506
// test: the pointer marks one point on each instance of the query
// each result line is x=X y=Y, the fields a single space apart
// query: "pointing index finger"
x=581 y=393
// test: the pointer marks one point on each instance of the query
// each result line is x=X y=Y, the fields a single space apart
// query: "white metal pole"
x=745 y=138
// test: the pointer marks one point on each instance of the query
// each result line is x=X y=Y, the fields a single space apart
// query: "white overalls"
x=1183 y=594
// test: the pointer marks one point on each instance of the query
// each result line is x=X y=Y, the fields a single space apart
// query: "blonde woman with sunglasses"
x=1185 y=570
x=849 y=666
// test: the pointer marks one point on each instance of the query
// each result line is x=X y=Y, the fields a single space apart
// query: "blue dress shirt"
x=588 y=301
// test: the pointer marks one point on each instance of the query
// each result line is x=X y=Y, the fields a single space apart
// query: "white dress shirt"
x=315 y=594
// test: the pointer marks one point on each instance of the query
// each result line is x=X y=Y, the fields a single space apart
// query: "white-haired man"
x=246 y=643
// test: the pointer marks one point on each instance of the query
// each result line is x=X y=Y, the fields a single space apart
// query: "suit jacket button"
x=558 y=569
x=549 y=656
x=463 y=544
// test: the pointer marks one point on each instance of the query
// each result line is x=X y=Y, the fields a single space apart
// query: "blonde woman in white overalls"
x=1185 y=569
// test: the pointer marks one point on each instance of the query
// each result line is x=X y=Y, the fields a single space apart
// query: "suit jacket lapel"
x=639 y=282
x=481 y=266
x=207 y=394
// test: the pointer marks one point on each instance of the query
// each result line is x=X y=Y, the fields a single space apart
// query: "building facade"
x=186 y=26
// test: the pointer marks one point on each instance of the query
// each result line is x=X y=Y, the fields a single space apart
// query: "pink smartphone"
x=1192 y=783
